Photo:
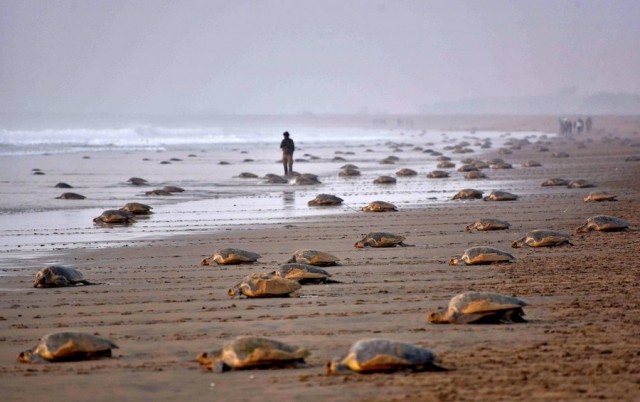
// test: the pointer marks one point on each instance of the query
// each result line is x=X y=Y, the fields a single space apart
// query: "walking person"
x=287 y=148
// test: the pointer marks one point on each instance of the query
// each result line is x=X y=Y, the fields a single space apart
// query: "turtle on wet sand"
x=556 y=181
x=137 y=208
x=325 y=200
x=173 y=189
x=542 y=238
x=347 y=172
x=264 y=285
x=475 y=174
x=158 y=192
x=384 y=355
x=437 y=174
x=314 y=257
x=500 y=196
x=603 y=223
x=385 y=180
x=467 y=194
x=306 y=179
x=381 y=239
x=580 y=183
x=379 y=206
x=303 y=273
x=599 y=196
x=71 y=196
x=480 y=308
x=251 y=352
x=482 y=255
x=114 y=216
x=532 y=163
x=488 y=224
x=59 y=276
x=231 y=256
x=137 y=181
x=406 y=172
x=67 y=346
x=63 y=185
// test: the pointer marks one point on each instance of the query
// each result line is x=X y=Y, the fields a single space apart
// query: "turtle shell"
x=603 y=223
x=482 y=255
x=480 y=307
x=467 y=194
x=346 y=172
x=598 y=196
x=475 y=175
x=306 y=179
x=248 y=352
x=580 y=183
x=264 y=285
x=71 y=196
x=114 y=216
x=324 y=200
x=314 y=257
x=542 y=238
x=532 y=164
x=500 y=196
x=58 y=276
x=438 y=174
x=66 y=346
x=385 y=180
x=555 y=182
x=488 y=224
x=173 y=189
x=137 y=181
x=137 y=208
x=384 y=355
x=381 y=239
x=302 y=273
x=406 y=172
x=379 y=206
x=231 y=256
x=446 y=165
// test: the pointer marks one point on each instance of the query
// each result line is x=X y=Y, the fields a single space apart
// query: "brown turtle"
x=500 y=196
x=501 y=165
x=531 y=163
x=306 y=179
x=71 y=196
x=467 y=194
x=599 y=196
x=385 y=180
x=603 y=223
x=114 y=216
x=542 y=238
x=446 y=165
x=480 y=308
x=67 y=346
x=63 y=185
x=173 y=189
x=381 y=239
x=384 y=355
x=437 y=174
x=158 y=192
x=475 y=174
x=137 y=181
x=59 y=276
x=467 y=168
x=137 y=208
x=488 y=224
x=347 y=172
x=264 y=285
x=275 y=179
x=231 y=256
x=251 y=352
x=379 y=206
x=406 y=172
x=482 y=255
x=580 y=183
x=555 y=182
x=325 y=200
x=314 y=257
x=303 y=273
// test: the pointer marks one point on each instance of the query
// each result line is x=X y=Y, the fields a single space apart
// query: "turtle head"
x=233 y=291
x=42 y=278
x=25 y=357
x=454 y=261
x=205 y=261
x=437 y=317
x=335 y=366
x=518 y=243
x=360 y=244
x=212 y=360
x=583 y=229
x=469 y=228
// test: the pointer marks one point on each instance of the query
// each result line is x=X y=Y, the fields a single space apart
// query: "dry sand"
x=582 y=341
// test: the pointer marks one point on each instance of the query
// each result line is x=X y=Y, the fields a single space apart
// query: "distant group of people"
x=578 y=126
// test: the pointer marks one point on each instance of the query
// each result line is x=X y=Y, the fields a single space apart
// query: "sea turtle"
x=303 y=273
x=347 y=172
x=561 y=154
x=597 y=196
x=379 y=206
x=275 y=179
x=467 y=194
x=306 y=179
x=542 y=238
x=248 y=175
x=446 y=165
x=71 y=196
x=406 y=172
x=349 y=166
x=158 y=191
x=482 y=255
x=480 y=308
x=59 y=276
x=63 y=185
x=173 y=189
x=137 y=181
x=67 y=346
x=385 y=180
x=314 y=257
x=384 y=355
x=325 y=200
x=137 y=208
x=114 y=216
x=531 y=163
x=437 y=174
x=632 y=158
x=250 y=352
x=231 y=256
x=467 y=168
x=501 y=165
x=555 y=182
x=603 y=223
x=500 y=196
x=381 y=239
x=488 y=224
x=475 y=174
x=264 y=285
x=580 y=183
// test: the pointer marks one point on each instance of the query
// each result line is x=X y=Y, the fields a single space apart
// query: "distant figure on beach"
x=588 y=123
x=287 y=148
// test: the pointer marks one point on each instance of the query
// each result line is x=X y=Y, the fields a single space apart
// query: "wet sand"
x=162 y=308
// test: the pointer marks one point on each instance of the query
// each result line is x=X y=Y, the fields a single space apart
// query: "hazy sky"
x=324 y=56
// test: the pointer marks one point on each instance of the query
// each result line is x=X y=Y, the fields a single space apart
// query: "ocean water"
x=207 y=162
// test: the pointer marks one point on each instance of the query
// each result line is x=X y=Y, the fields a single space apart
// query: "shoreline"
x=162 y=308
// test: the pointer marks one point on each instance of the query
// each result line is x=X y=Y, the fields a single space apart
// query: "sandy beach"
x=162 y=308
